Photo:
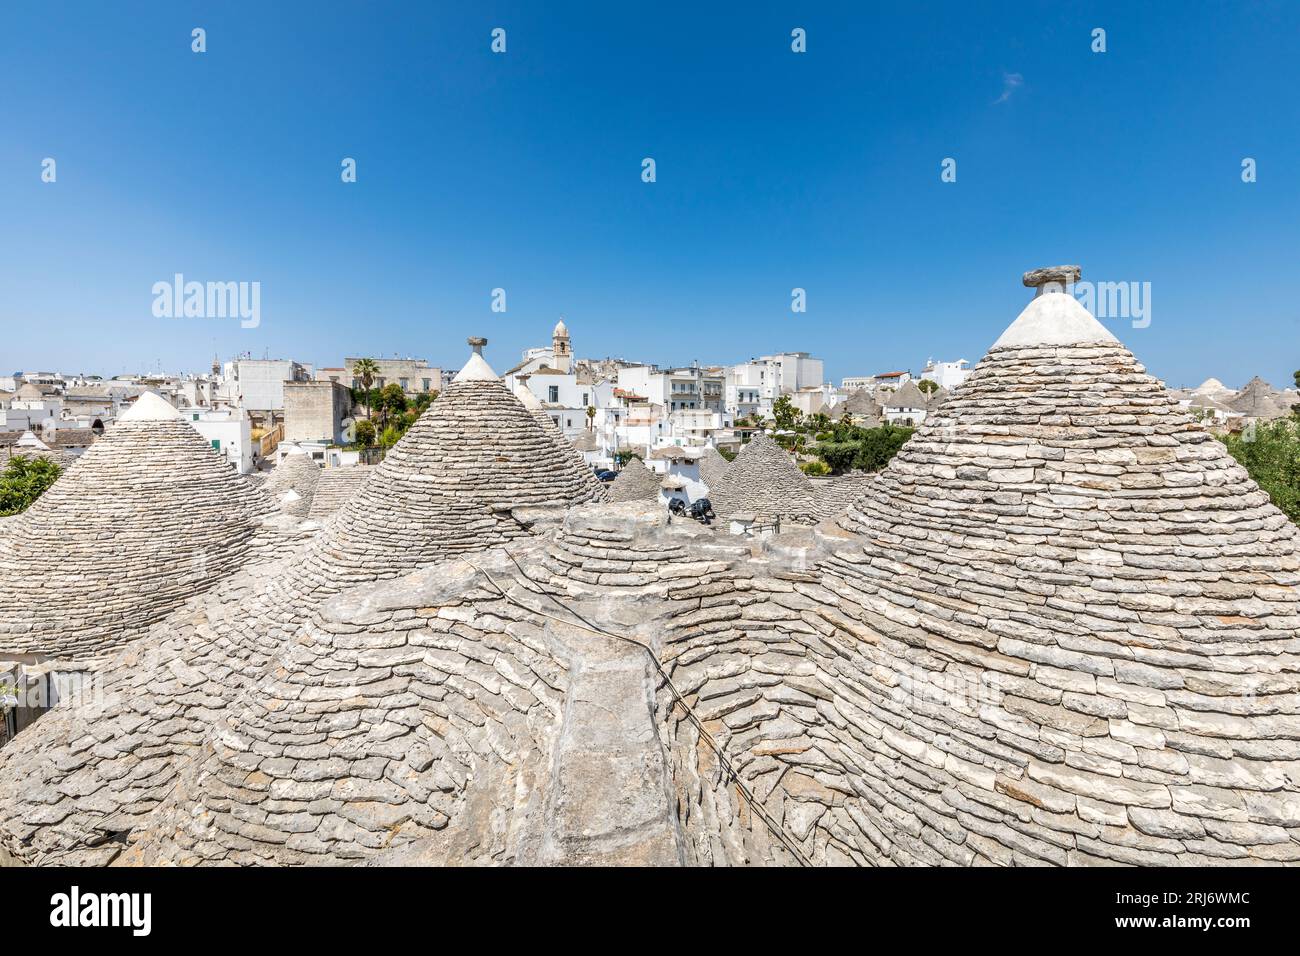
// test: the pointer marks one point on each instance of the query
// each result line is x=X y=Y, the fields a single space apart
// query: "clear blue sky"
x=522 y=171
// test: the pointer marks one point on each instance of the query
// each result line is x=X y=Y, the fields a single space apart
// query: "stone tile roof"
x=636 y=482
x=298 y=473
x=1059 y=628
x=907 y=395
x=764 y=482
x=148 y=516
x=712 y=467
x=835 y=495
x=595 y=490
x=334 y=487
x=472 y=472
x=1260 y=400
x=861 y=407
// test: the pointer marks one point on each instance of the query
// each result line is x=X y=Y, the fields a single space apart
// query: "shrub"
x=866 y=449
x=1270 y=453
x=23 y=481
x=364 y=431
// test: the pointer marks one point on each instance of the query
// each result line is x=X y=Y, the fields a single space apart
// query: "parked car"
x=604 y=474
x=702 y=510
x=677 y=506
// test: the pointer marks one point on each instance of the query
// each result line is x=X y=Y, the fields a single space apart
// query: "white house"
x=947 y=375
x=228 y=431
x=904 y=405
x=688 y=387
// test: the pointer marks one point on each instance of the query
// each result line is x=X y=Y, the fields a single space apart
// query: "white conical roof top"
x=146 y=518
x=1054 y=318
x=150 y=407
x=1211 y=386
x=530 y=401
x=29 y=440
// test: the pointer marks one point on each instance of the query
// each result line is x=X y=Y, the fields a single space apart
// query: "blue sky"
x=522 y=171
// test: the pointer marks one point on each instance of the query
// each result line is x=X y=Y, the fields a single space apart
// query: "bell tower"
x=561 y=347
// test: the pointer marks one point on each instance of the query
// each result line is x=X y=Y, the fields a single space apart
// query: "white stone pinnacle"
x=1054 y=319
x=150 y=407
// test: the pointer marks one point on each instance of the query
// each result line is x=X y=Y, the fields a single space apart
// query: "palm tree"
x=365 y=370
x=591 y=414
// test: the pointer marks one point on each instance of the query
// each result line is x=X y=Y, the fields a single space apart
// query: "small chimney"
x=476 y=342
x=1051 y=279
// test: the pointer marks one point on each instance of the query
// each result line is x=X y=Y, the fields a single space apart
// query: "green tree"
x=390 y=436
x=365 y=371
x=928 y=385
x=23 y=481
x=591 y=416
x=364 y=432
x=868 y=449
x=784 y=412
x=392 y=402
x=1270 y=453
x=815 y=468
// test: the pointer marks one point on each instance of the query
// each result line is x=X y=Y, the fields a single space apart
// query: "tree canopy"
x=851 y=447
x=23 y=481
x=1270 y=453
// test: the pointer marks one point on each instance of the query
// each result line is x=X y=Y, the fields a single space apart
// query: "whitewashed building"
x=228 y=431
x=947 y=375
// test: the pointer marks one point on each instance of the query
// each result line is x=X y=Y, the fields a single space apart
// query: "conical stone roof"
x=861 y=407
x=712 y=467
x=334 y=487
x=148 y=516
x=635 y=482
x=562 y=444
x=452 y=482
x=1092 y=611
x=1259 y=399
x=907 y=395
x=296 y=472
x=466 y=476
x=835 y=495
x=764 y=482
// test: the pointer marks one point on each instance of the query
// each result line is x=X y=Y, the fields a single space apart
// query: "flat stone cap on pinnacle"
x=477 y=368
x=1066 y=275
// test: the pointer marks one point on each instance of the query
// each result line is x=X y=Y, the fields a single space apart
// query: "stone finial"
x=476 y=342
x=1051 y=278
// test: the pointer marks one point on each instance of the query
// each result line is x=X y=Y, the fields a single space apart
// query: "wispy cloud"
x=1010 y=83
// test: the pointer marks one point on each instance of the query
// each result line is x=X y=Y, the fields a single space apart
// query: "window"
x=356 y=383
x=382 y=381
x=426 y=384
x=553 y=393
x=406 y=383
x=556 y=419
x=584 y=398
x=568 y=423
